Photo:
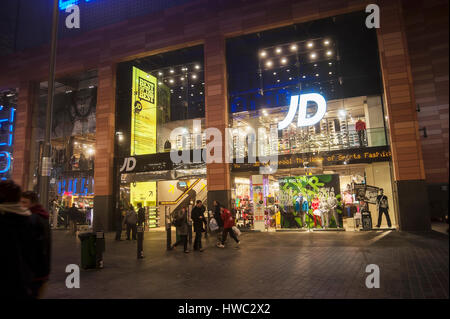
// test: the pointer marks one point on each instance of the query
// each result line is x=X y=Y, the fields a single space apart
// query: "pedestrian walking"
x=140 y=215
x=219 y=221
x=198 y=221
x=73 y=217
x=130 y=221
x=228 y=223
x=120 y=221
x=181 y=224
x=16 y=244
x=41 y=242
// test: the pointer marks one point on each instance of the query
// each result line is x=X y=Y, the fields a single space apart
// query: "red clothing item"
x=228 y=220
x=315 y=204
x=360 y=126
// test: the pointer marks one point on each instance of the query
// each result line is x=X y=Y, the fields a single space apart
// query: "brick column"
x=104 y=149
x=28 y=93
x=409 y=174
x=216 y=113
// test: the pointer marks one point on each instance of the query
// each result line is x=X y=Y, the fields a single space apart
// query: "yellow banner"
x=143 y=192
x=143 y=113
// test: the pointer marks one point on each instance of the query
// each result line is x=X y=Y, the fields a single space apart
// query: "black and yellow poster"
x=143 y=113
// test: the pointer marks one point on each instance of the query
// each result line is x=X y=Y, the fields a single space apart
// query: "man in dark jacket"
x=197 y=219
x=41 y=241
x=140 y=215
x=16 y=240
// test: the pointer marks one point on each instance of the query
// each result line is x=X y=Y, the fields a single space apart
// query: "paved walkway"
x=267 y=265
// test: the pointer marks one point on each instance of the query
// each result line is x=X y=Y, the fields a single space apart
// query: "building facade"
x=123 y=88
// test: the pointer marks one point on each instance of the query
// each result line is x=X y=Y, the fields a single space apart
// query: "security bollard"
x=140 y=242
x=99 y=248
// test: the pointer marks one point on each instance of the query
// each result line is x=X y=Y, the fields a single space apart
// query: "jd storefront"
x=160 y=109
x=314 y=89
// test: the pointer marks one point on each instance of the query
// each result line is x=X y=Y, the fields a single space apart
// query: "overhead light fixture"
x=69 y=91
x=278 y=50
x=91 y=86
x=263 y=54
x=283 y=60
x=194 y=76
x=329 y=53
x=294 y=47
x=317 y=74
x=330 y=72
x=160 y=73
x=269 y=63
x=197 y=67
x=329 y=63
x=304 y=76
x=310 y=45
x=313 y=55
x=274 y=73
x=171 y=80
x=326 y=42
x=171 y=71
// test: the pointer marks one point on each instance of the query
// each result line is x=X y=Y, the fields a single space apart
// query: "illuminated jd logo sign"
x=129 y=163
x=300 y=102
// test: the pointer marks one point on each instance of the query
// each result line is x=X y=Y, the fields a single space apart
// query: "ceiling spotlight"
x=197 y=66
x=182 y=78
x=264 y=112
x=274 y=73
x=263 y=54
x=290 y=79
x=283 y=60
x=342 y=113
x=330 y=72
x=269 y=63
x=317 y=74
x=90 y=86
x=304 y=76
x=329 y=53
x=310 y=45
x=160 y=73
x=278 y=50
x=201 y=93
x=315 y=64
x=159 y=83
x=329 y=63
x=171 y=80
x=293 y=47
x=194 y=76
x=172 y=71
x=326 y=42
x=278 y=80
x=313 y=55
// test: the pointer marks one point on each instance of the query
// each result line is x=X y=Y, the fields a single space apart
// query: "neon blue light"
x=3 y=120
x=8 y=161
x=13 y=110
x=1 y=107
x=59 y=188
x=75 y=186
x=63 y=4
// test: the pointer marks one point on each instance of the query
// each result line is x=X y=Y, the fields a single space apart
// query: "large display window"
x=314 y=92
x=160 y=108
x=73 y=139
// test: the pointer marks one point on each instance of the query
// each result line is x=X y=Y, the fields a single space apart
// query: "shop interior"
x=335 y=198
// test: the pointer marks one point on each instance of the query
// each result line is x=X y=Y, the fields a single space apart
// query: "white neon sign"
x=300 y=102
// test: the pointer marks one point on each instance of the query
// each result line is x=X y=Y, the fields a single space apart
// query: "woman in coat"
x=228 y=223
x=180 y=222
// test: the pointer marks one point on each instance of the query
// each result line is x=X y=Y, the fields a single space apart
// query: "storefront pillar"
x=407 y=159
x=28 y=94
x=104 y=149
x=216 y=112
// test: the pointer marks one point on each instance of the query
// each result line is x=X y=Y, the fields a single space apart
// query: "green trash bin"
x=88 y=251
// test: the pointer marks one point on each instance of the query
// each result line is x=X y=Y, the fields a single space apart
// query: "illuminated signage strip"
x=353 y=156
x=143 y=113
x=6 y=140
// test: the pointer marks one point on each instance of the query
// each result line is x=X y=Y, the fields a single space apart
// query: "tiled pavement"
x=268 y=265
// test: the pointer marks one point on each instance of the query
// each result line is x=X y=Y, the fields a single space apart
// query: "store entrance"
x=162 y=197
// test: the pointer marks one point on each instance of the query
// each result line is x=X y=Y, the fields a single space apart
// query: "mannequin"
x=332 y=204
x=316 y=211
x=348 y=201
x=324 y=210
x=305 y=209
x=360 y=128
x=383 y=208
